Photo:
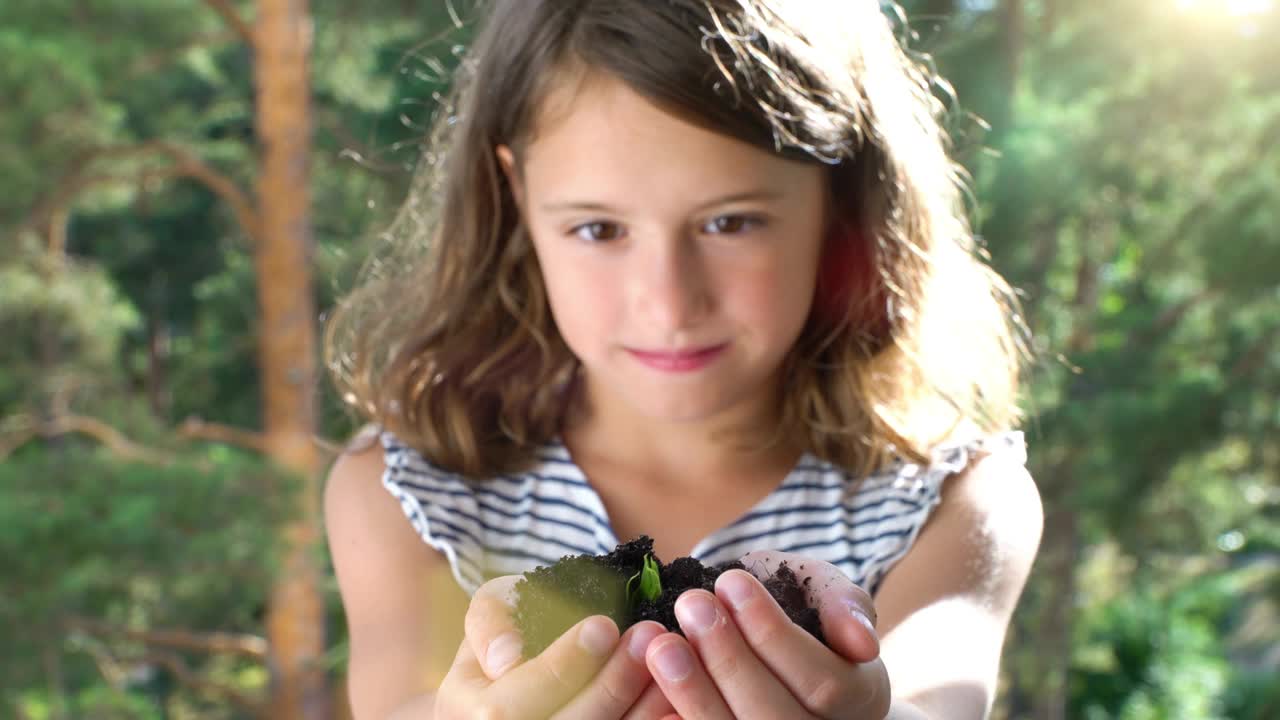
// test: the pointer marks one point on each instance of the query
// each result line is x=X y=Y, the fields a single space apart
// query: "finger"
x=826 y=684
x=621 y=681
x=490 y=630
x=541 y=686
x=652 y=705
x=747 y=685
x=684 y=681
x=463 y=686
x=846 y=611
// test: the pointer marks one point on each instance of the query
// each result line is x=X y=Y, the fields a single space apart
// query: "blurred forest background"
x=185 y=185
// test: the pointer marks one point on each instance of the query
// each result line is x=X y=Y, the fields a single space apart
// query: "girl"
x=696 y=269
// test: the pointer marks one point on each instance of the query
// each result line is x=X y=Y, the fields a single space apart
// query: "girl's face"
x=679 y=263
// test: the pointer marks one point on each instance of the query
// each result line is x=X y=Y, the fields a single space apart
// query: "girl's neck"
x=682 y=457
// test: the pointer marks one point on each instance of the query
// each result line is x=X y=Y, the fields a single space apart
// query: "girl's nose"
x=669 y=285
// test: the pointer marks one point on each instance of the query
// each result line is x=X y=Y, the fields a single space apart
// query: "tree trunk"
x=1014 y=43
x=1060 y=547
x=1043 y=626
x=52 y=656
x=1062 y=553
x=287 y=350
x=158 y=349
x=1049 y=18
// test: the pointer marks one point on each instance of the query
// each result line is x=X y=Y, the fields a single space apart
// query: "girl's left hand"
x=745 y=658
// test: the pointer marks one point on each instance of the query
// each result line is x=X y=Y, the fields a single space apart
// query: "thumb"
x=848 y=621
x=847 y=612
x=490 y=629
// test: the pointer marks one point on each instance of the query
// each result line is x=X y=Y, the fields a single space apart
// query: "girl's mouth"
x=679 y=360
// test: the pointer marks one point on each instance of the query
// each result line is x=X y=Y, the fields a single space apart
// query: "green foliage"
x=1150 y=657
x=1163 y=649
x=73 y=312
x=134 y=545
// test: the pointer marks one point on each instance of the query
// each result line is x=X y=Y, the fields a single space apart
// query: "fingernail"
x=696 y=612
x=597 y=636
x=640 y=639
x=855 y=608
x=673 y=662
x=503 y=652
x=737 y=589
x=865 y=622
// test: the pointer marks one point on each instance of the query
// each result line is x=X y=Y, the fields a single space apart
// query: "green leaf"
x=650 y=583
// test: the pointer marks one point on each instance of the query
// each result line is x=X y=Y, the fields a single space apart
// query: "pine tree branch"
x=26 y=429
x=194 y=428
x=183 y=164
x=1171 y=316
x=18 y=430
x=1252 y=359
x=176 y=665
x=237 y=23
x=15 y=439
x=160 y=60
x=355 y=149
x=115 y=671
x=160 y=645
x=243 y=645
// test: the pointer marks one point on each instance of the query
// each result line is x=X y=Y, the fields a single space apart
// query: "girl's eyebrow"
x=750 y=195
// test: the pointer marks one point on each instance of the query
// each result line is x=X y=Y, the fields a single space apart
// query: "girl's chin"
x=665 y=397
x=680 y=408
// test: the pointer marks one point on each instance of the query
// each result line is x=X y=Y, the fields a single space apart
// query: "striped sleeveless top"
x=511 y=524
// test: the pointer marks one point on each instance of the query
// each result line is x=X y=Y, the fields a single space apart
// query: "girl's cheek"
x=774 y=284
x=582 y=296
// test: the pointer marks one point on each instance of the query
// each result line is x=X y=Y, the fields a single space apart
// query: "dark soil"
x=550 y=600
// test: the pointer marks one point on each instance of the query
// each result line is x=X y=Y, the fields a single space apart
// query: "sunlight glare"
x=1233 y=8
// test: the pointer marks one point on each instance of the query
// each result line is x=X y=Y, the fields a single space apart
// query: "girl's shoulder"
x=919 y=493
x=946 y=459
x=432 y=498
x=500 y=525
x=963 y=450
x=960 y=455
x=862 y=524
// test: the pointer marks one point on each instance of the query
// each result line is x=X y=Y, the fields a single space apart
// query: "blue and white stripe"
x=513 y=523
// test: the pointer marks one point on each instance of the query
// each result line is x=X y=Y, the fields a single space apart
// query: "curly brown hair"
x=448 y=340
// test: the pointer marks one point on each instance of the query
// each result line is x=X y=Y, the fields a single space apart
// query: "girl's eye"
x=598 y=231
x=731 y=224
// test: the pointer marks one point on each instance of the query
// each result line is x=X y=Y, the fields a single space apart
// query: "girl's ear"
x=507 y=161
x=849 y=285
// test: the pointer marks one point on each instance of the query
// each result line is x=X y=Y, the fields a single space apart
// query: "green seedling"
x=650 y=586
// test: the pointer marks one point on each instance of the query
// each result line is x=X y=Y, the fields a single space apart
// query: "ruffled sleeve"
x=435 y=502
x=919 y=489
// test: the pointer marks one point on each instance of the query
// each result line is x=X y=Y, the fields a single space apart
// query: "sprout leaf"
x=650 y=584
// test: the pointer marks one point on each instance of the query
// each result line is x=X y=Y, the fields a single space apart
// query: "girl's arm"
x=393 y=585
x=406 y=619
x=944 y=609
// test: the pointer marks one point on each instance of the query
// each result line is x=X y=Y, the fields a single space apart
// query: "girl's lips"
x=683 y=361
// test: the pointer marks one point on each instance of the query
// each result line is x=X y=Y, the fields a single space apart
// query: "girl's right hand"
x=588 y=672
